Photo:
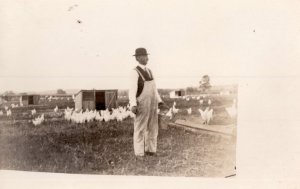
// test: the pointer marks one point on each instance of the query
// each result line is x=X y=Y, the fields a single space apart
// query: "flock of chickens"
x=50 y=98
x=122 y=113
x=118 y=114
x=207 y=114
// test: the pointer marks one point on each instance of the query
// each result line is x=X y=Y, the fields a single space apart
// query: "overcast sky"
x=89 y=44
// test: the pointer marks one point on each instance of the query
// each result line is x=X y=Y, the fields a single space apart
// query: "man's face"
x=143 y=59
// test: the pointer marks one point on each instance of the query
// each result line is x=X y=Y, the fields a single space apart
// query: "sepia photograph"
x=97 y=88
x=133 y=88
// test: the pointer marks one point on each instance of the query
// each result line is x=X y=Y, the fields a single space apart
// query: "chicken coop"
x=30 y=99
x=177 y=93
x=96 y=99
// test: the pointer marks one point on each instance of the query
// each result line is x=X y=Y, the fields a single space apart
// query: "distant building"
x=10 y=98
x=96 y=99
x=30 y=99
x=176 y=93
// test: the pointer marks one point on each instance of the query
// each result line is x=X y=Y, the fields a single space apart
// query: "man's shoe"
x=150 y=153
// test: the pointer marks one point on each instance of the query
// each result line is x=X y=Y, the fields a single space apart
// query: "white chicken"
x=38 y=120
x=8 y=113
x=91 y=115
x=125 y=112
x=232 y=111
x=209 y=102
x=169 y=113
x=131 y=114
x=99 y=117
x=174 y=109
x=78 y=117
x=68 y=114
x=189 y=111
x=128 y=106
x=56 y=109
x=70 y=109
x=201 y=101
x=119 y=117
x=206 y=115
x=6 y=108
x=106 y=117
x=187 y=99
x=113 y=115
x=33 y=112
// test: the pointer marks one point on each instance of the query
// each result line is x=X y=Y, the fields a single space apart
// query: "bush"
x=60 y=91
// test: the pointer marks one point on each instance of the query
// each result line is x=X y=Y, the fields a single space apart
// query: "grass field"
x=107 y=147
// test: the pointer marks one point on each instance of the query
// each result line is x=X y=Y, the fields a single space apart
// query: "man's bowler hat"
x=140 y=52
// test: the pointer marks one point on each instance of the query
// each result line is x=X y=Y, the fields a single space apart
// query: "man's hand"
x=162 y=105
x=134 y=109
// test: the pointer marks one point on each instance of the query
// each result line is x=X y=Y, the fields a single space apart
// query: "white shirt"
x=134 y=76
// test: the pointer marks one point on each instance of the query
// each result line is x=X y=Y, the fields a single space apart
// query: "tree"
x=8 y=93
x=204 y=83
x=60 y=91
x=191 y=90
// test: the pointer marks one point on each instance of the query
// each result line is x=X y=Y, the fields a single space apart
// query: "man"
x=144 y=100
